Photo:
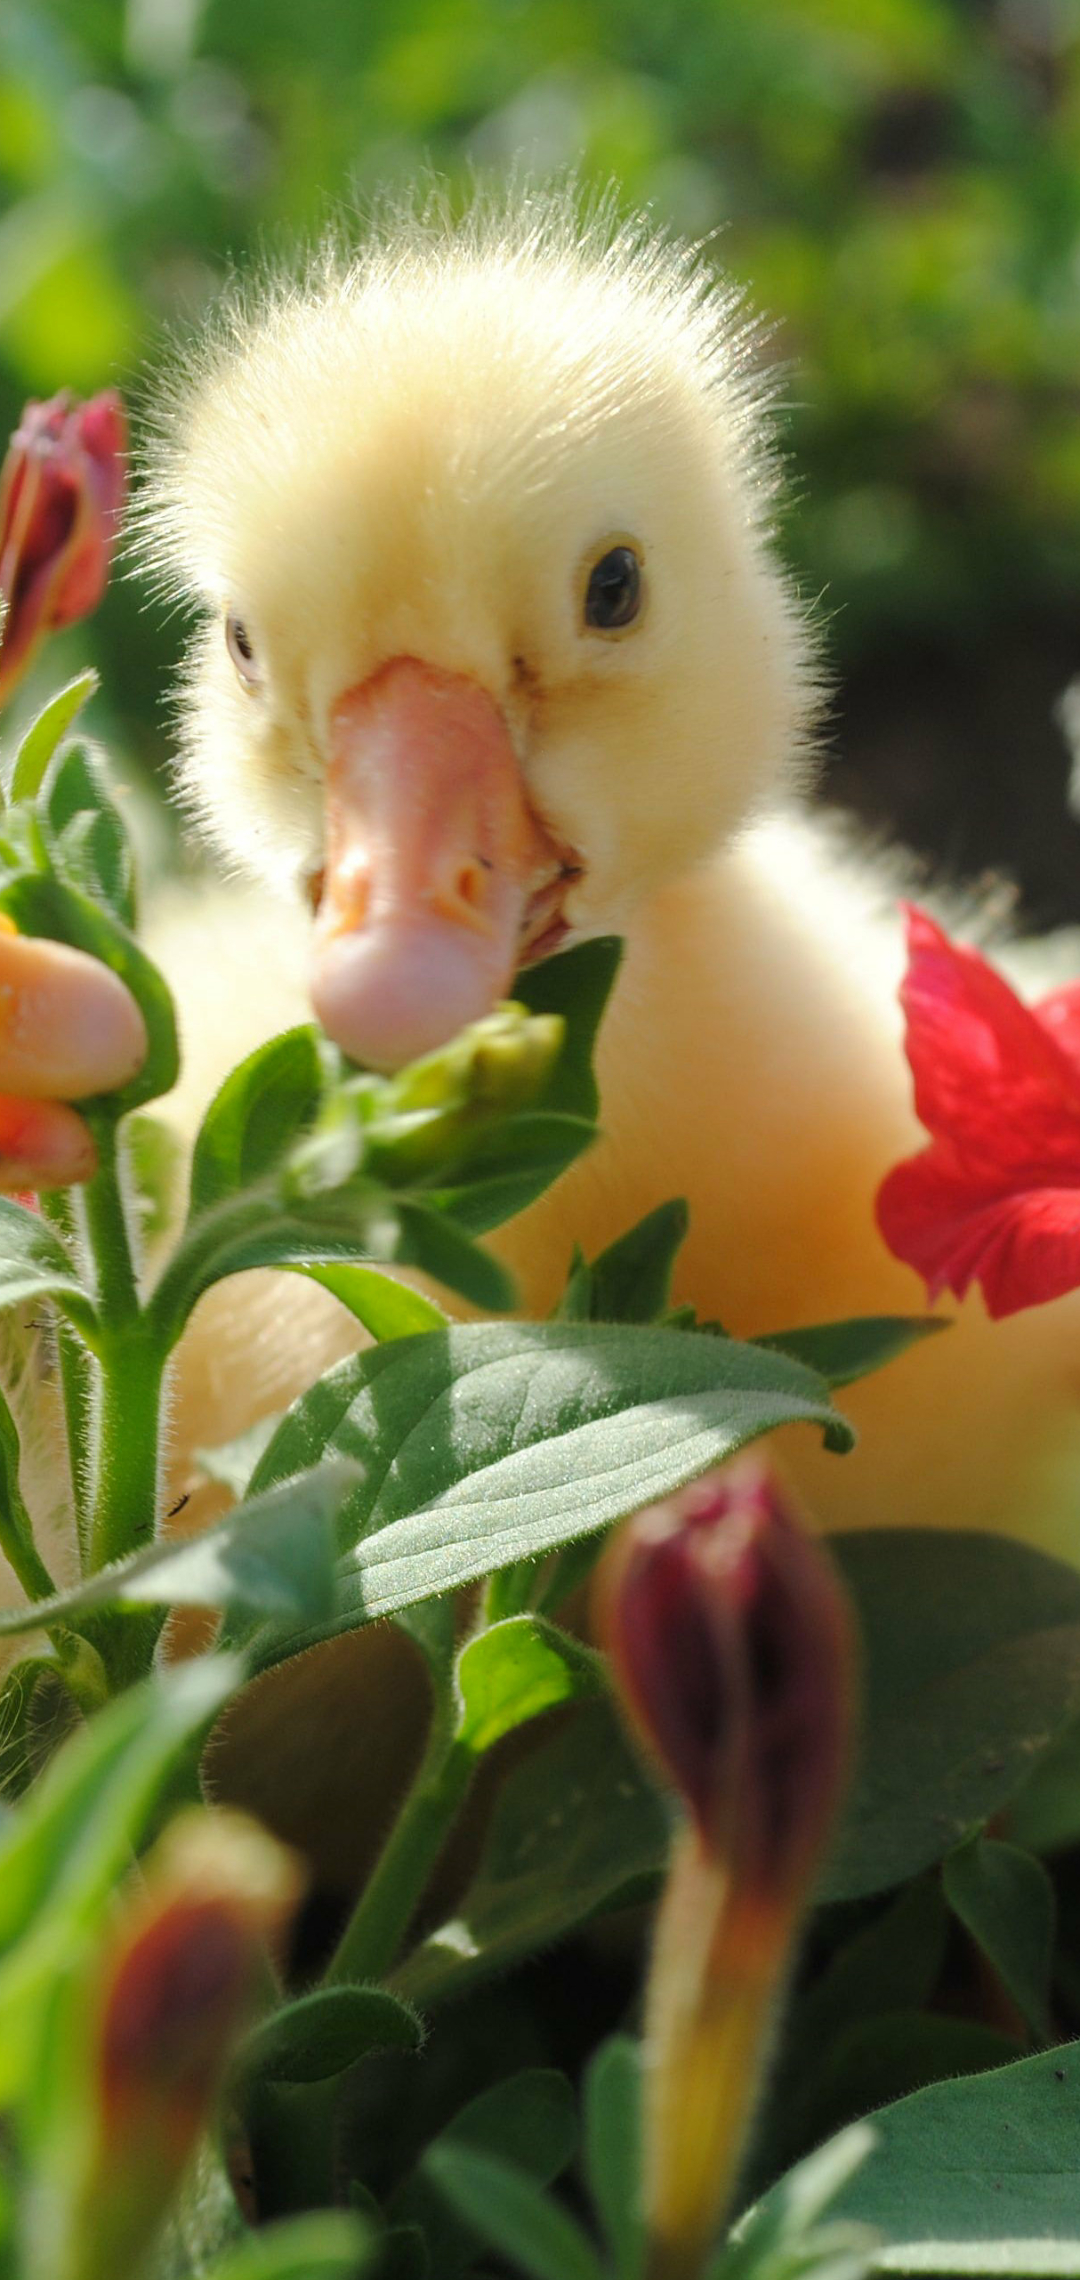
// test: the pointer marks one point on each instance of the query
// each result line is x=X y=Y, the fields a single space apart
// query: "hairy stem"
x=74 y=1367
x=375 y=1930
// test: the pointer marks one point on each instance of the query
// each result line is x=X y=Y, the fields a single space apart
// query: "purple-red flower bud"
x=731 y=1647
x=61 y=489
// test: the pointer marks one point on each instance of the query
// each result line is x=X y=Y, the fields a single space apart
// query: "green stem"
x=381 y=1918
x=108 y=1234
x=19 y=1549
x=128 y=1434
x=74 y=1365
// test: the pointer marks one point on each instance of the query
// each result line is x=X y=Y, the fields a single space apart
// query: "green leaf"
x=508 y=2210
x=882 y=2057
x=486 y=1443
x=255 y=1117
x=1007 y=1902
x=508 y=1170
x=613 y=2149
x=256 y=1229
x=977 y=2176
x=35 y=1264
x=844 y=1351
x=89 y=844
x=577 y=984
x=971 y=1661
x=631 y=1280
x=94 y=854
x=577 y=1828
x=330 y=2245
x=437 y=1245
x=274 y=1555
x=781 y=2237
x=44 y=734
x=1045 y=1817
x=515 y=1671
x=386 y=1307
x=526 y=2119
x=233 y=1462
x=42 y=905
x=155 y=1156
x=321 y=2034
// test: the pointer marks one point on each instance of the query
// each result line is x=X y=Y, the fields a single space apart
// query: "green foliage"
x=971 y=1668
x=977 y=2176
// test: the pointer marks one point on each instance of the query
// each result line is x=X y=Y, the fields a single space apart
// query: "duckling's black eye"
x=241 y=649
x=613 y=594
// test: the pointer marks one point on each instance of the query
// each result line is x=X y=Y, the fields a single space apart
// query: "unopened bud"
x=731 y=1649
x=176 y=1989
x=422 y=1124
x=61 y=488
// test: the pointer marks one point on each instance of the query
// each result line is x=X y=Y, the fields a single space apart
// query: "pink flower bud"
x=731 y=1650
x=61 y=488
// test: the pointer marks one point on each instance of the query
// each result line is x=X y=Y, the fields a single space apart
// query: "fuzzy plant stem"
x=377 y=1927
x=74 y=1367
x=131 y=1362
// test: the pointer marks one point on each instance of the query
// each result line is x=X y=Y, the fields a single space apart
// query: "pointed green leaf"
x=844 y=1351
x=515 y=1671
x=321 y=2034
x=613 y=2150
x=631 y=1280
x=255 y=1117
x=487 y=1443
x=35 y=1264
x=527 y=2119
x=508 y=2210
x=430 y=1240
x=44 y=734
x=1006 y=1900
x=524 y=1155
x=577 y=984
x=233 y=1462
x=330 y=2245
x=273 y=1555
x=387 y=1308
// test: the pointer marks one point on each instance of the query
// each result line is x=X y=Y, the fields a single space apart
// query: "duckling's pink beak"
x=431 y=850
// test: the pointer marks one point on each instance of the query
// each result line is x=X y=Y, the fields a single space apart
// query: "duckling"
x=495 y=653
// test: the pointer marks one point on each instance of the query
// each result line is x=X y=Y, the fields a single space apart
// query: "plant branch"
x=377 y=1927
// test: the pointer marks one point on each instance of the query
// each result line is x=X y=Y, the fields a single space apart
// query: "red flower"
x=61 y=487
x=995 y=1198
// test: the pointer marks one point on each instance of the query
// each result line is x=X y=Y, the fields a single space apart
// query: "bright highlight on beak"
x=431 y=853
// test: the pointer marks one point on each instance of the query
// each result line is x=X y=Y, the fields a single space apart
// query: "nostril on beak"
x=462 y=894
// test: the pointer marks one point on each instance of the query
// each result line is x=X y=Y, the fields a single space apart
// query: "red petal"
x=1022 y=1246
x=990 y=1074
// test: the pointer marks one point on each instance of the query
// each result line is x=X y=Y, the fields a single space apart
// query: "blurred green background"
x=898 y=182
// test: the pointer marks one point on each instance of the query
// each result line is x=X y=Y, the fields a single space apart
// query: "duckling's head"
x=493 y=642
